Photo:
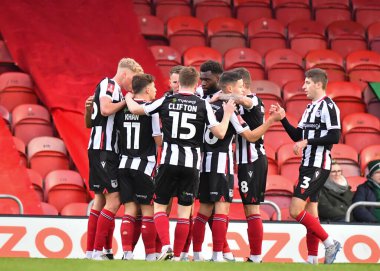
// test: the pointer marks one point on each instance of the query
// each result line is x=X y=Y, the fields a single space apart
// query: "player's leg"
x=312 y=241
x=310 y=182
x=99 y=202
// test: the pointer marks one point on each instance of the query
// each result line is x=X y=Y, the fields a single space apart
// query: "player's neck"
x=319 y=96
x=141 y=97
x=186 y=90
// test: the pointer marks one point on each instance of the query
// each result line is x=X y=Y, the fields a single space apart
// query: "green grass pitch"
x=32 y=264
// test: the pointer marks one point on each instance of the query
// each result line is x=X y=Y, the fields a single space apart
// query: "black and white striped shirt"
x=104 y=134
x=218 y=155
x=137 y=145
x=319 y=117
x=247 y=152
x=183 y=117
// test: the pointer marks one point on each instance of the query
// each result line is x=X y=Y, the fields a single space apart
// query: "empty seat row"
x=286 y=11
x=224 y=33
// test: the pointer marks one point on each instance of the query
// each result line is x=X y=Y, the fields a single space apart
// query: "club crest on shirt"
x=114 y=183
x=318 y=113
x=110 y=88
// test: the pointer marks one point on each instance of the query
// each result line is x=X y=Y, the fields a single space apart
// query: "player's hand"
x=215 y=97
x=229 y=107
x=277 y=109
x=299 y=146
x=129 y=95
x=89 y=101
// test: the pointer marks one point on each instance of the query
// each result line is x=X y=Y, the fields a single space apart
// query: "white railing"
x=359 y=203
x=16 y=199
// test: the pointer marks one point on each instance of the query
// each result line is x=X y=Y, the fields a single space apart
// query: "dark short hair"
x=213 y=66
x=317 y=75
x=176 y=69
x=188 y=77
x=227 y=78
x=245 y=75
x=141 y=81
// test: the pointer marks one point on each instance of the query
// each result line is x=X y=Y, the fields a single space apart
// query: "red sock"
x=127 y=229
x=161 y=221
x=189 y=236
x=312 y=243
x=255 y=233
x=219 y=230
x=199 y=232
x=312 y=224
x=91 y=229
x=158 y=244
x=108 y=244
x=105 y=222
x=180 y=235
x=148 y=234
x=226 y=247
x=137 y=231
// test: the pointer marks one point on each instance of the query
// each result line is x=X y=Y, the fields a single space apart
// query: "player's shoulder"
x=329 y=102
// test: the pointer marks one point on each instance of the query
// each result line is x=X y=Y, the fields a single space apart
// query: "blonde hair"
x=130 y=64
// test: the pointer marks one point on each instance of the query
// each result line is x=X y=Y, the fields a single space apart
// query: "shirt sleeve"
x=239 y=124
x=210 y=119
x=331 y=115
x=156 y=125
x=106 y=89
x=151 y=108
x=255 y=101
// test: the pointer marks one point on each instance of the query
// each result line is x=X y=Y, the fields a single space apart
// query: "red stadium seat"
x=20 y=147
x=347 y=96
x=295 y=99
x=347 y=158
x=48 y=209
x=153 y=30
x=206 y=10
x=330 y=61
x=75 y=209
x=367 y=155
x=247 y=58
x=361 y=130
x=63 y=187
x=363 y=67
x=283 y=65
x=366 y=11
x=283 y=202
x=306 y=35
x=6 y=61
x=287 y=11
x=355 y=181
x=267 y=91
x=288 y=162
x=276 y=135
x=46 y=154
x=278 y=185
x=142 y=7
x=16 y=88
x=266 y=34
x=166 y=57
x=225 y=33
x=37 y=182
x=247 y=10
x=328 y=11
x=185 y=32
x=373 y=32
x=30 y=121
x=346 y=37
x=372 y=102
x=166 y=9
x=195 y=56
x=272 y=161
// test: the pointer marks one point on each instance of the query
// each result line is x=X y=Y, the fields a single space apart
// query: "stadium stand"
x=166 y=9
x=153 y=30
x=328 y=11
x=245 y=57
x=220 y=8
x=247 y=10
x=347 y=158
x=287 y=11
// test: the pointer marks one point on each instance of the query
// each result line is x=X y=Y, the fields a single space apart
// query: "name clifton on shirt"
x=185 y=107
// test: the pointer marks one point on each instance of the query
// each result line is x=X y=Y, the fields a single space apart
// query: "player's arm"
x=239 y=99
x=294 y=133
x=107 y=107
x=332 y=137
x=87 y=112
x=134 y=107
x=157 y=135
x=219 y=130
x=256 y=134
